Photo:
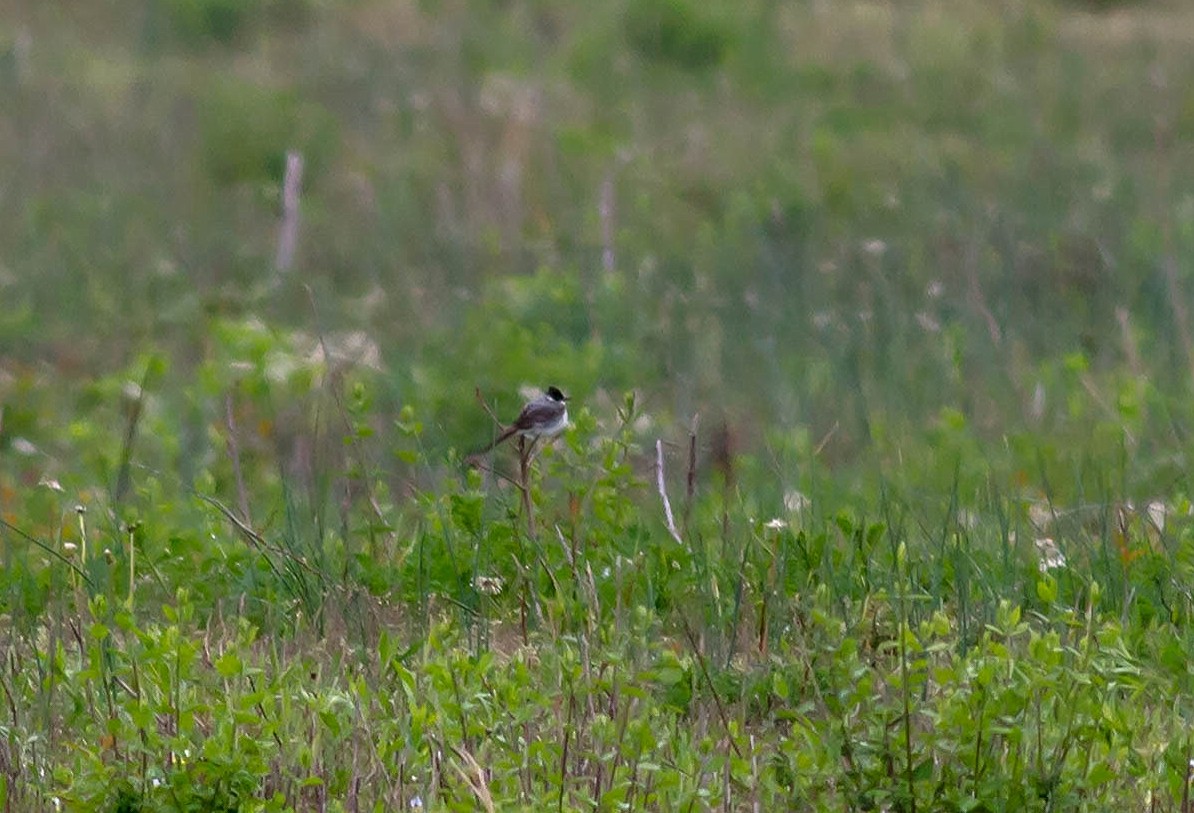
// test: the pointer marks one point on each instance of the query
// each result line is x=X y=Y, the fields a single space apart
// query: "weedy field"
x=877 y=323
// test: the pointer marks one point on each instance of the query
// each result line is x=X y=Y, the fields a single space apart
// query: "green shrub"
x=246 y=130
x=220 y=21
x=681 y=33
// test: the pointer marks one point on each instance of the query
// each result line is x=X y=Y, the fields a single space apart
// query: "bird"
x=544 y=416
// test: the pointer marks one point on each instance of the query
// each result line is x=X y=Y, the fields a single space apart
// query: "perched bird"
x=542 y=417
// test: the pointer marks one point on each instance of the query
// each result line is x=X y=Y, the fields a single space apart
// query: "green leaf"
x=1046 y=589
x=779 y=686
x=229 y=664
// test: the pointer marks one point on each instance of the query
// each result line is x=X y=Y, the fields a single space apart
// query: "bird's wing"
x=538 y=413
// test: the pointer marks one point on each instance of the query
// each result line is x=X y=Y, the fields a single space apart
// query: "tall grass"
x=895 y=293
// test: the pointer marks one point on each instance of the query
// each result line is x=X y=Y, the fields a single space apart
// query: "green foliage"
x=915 y=268
x=226 y=22
x=218 y=20
x=827 y=652
x=688 y=35
x=246 y=130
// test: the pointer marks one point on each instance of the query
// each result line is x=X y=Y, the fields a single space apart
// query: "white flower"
x=876 y=248
x=1040 y=515
x=967 y=519
x=928 y=322
x=796 y=502
x=350 y=347
x=1156 y=512
x=1051 y=556
x=1037 y=409
x=50 y=483
x=775 y=524
x=489 y=585
x=23 y=447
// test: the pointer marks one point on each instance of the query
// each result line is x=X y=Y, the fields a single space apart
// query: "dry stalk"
x=667 y=504
x=292 y=183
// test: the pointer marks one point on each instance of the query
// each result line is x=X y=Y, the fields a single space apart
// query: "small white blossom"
x=23 y=447
x=875 y=248
x=489 y=585
x=928 y=322
x=1051 y=556
x=967 y=519
x=796 y=502
x=1156 y=512
x=349 y=347
x=1037 y=408
x=1040 y=515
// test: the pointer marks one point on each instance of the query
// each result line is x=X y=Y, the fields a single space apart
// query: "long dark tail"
x=506 y=434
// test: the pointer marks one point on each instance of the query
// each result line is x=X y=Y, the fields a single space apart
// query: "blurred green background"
x=829 y=218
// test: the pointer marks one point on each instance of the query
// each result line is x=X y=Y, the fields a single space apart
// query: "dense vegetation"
x=877 y=322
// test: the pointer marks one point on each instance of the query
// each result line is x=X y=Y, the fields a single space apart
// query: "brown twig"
x=474 y=777
x=721 y=712
x=825 y=440
x=524 y=478
x=485 y=406
x=690 y=477
x=234 y=453
x=564 y=755
x=477 y=462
